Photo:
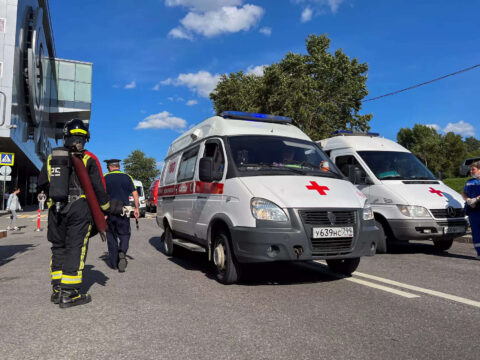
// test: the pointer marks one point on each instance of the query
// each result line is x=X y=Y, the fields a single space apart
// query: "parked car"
x=465 y=167
x=152 y=196
x=141 y=198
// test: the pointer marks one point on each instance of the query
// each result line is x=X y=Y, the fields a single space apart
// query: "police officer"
x=70 y=221
x=119 y=187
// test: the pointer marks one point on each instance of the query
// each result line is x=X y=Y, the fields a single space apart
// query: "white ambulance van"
x=409 y=203
x=249 y=188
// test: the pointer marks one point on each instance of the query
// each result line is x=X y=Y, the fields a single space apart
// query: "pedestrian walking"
x=13 y=204
x=69 y=217
x=41 y=200
x=119 y=187
x=471 y=195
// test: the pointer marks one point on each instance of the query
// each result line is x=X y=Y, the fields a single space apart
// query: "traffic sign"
x=5 y=178
x=5 y=170
x=7 y=158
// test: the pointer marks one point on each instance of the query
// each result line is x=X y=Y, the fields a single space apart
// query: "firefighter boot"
x=71 y=297
x=55 y=298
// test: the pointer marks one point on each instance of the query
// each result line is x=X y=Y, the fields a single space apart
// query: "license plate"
x=453 y=229
x=333 y=232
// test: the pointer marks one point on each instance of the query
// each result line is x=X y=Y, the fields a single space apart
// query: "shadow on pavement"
x=91 y=277
x=8 y=251
x=277 y=273
x=427 y=249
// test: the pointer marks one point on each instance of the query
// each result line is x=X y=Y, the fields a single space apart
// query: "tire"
x=382 y=247
x=343 y=266
x=168 y=247
x=443 y=245
x=227 y=268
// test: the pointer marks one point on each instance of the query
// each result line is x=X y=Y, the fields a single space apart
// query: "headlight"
x=367 y=212
x=266 y=210
x=413 y=211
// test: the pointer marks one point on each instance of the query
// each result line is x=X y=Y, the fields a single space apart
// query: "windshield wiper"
x=392 y=177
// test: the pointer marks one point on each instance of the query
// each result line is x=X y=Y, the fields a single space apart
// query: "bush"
x=456 y=184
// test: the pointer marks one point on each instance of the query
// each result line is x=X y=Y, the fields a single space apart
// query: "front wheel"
x=343 y=266
x=168 y=241
x=228 y=270
x=382 y=242
x=443 y=245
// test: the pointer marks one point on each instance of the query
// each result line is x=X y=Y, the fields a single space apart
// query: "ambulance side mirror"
x=355 y=175
x=205 y=172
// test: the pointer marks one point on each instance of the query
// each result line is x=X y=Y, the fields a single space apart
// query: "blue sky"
x=155 y=61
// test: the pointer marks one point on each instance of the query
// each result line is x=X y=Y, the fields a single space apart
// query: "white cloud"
x=433 y=126
x=256 y=70
x=115 y=86
x=460 y=128
x=267 y=31
x=132 y=85
x=192 y=102
x=156 y=87
x=202 y=5
x=162 y=120
x=228 y=19
x=179 y=33
x=306 y=15
x=201 y=83
x=214 y=17
x=319 y=6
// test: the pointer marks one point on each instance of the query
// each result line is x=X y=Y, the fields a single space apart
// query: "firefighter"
x=119 y=187
x=70 y=219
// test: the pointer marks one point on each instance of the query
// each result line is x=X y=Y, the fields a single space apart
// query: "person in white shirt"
x=13 y=204
x=41 y=200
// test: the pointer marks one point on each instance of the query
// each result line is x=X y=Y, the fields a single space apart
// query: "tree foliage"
x=440 y=153
x=473 y=146
x=140 y=167
x=320 y=91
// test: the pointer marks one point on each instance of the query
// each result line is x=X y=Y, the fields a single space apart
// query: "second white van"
x=409 y=203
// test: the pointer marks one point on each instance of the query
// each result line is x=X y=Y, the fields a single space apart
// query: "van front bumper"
x=425 y=229
x=267 y=244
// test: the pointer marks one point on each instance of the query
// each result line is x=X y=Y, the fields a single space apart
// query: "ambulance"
x=408 y=201
x=250 y=188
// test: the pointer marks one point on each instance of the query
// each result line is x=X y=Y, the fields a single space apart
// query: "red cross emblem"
x=315 y=186
x=433 y=191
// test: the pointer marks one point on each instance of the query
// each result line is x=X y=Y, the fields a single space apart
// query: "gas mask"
x=74 y=142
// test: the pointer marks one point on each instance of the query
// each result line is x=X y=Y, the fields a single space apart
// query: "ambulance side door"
x=184 y=194
x=209 y=198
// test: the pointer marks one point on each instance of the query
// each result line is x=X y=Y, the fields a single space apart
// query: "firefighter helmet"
x=75 y=134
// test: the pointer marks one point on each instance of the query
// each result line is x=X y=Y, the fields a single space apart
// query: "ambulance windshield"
x=266 y=155
x=393 y=165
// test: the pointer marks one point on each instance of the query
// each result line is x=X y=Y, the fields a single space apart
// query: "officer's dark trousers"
x=68 y=231
x=118 y=232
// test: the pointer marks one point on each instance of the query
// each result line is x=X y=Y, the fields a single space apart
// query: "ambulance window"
x=344 y=162
x=214 y=150
x=187 y=165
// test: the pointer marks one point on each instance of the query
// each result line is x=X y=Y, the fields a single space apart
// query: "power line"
x=424 y=83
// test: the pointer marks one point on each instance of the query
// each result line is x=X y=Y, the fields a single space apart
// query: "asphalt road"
x=412 y=304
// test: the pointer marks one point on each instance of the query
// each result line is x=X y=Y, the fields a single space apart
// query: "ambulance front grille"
x=336 y=246
x=443 y=213
x=321 y=217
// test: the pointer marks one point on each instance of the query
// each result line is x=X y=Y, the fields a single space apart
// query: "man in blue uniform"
x=471 y=195
x=119 y=187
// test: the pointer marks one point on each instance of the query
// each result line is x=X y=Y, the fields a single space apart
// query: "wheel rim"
x=219 y=257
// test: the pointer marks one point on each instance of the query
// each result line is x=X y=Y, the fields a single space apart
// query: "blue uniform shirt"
x=119 y=186
x=472 y=190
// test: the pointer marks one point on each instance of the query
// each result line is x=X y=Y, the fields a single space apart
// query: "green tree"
x=473 y=144
x=320 y=91
x=140 y=167
x=440 y=153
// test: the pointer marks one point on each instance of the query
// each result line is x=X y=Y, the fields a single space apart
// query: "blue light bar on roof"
x=354 y=133
x=240 y=115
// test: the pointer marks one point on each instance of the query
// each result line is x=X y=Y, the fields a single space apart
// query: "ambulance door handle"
x=201 y=197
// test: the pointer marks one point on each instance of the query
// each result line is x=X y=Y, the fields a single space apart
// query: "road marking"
x=371 y=284
x=384 y=288
x=420 y=289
